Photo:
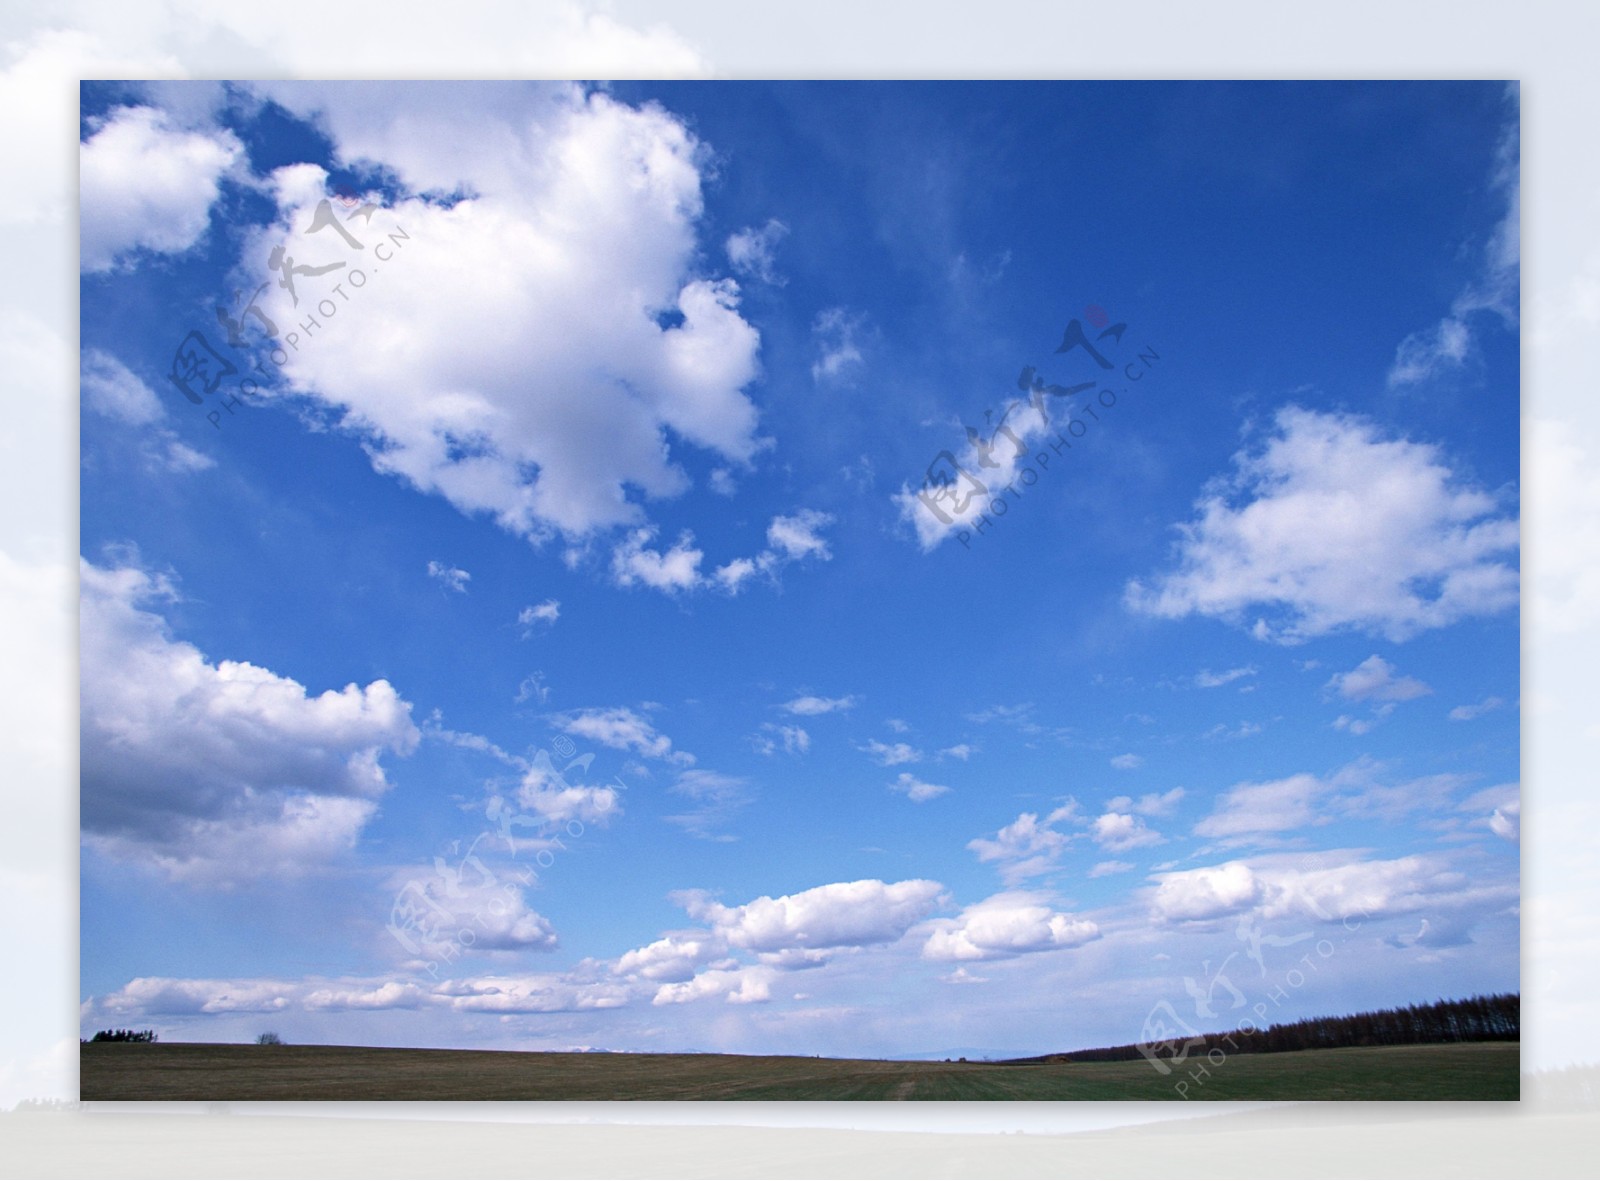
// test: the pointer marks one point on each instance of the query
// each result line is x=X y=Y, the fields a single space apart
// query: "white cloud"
x=837 y=333
x=1374 y=680
x=1027 y=846
x=1466 y=713
x=789 y=539
x=145 y=184
x=1119 y=832
x=1261 y=811
x=1206 y=893
x=1424 y=355
x=467 y=897
x=676 y=569
x=530 y=993
x=798 y=536
x=808 y=706
x=891 y=754
x=548 y=793
x=716 y=797
x=1105 y=868
x=960 y=750
x=1332 y=527
x=1503 y=805
x=962 y=976
x=583 y=223
x=1206 y=679
x=1129 y=762
x=1279 y=805
x=672 y=959
x=1152 y=804
x=449 y=576
x=217 y=771
x=546 y=612
x=114 y=391
x=991 y=461
x=752 y=252
x=533 y=688
x=620 y=729
x=771 y=738
x=842 y=914
x=918 y=791
x=745 y=985
x=1006 y=925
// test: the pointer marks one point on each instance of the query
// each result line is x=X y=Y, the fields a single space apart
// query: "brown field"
x=179 y=1071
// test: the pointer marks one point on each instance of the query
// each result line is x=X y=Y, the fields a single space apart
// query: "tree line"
x=124 y=1035
x=1496 y=1018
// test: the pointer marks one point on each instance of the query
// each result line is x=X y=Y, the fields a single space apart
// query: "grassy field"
x=177 y=1071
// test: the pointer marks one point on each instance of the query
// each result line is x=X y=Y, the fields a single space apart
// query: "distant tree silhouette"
x=124 y=1035
x=269 y=1039
x=1495 y=1018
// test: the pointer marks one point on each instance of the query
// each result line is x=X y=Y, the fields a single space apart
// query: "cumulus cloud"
x=217 y=771
x=789 y=539
x=543 y=350
x=431 y=909
x=549 y=794
x=915 y=789
x=1424 y=355
x=536 y=613
x=1027 y=846
x=634 y=562
x=744 y=985
x=887 y=754
x=1326 y=886
x=808 y=706
x=671 y=959
x=752 y=252
x=990 y=461
x=620 y=729
x=1119 y=832
x=772 y=738
x=449 y=576
x=145 y=184
x=544 y=992
x=842 y=914
x=1129 y=762
x=1374 y=679
x=960 y=750
x=1006 y=925
x=1333 y=527
x=837 y=334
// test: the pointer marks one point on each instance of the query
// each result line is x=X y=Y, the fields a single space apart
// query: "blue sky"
x=614 y=454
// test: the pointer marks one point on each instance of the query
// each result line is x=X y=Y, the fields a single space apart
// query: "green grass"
x=174 y=1071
